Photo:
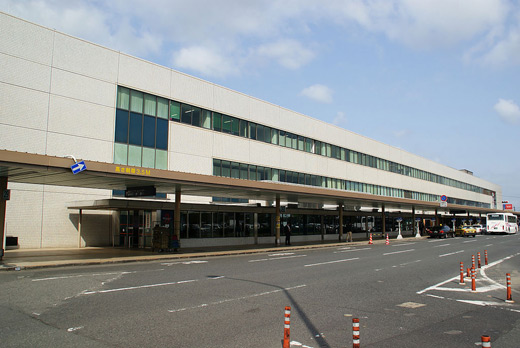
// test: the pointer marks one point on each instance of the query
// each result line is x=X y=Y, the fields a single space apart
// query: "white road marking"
x=280 y=254
x=453 y=253
x=193 y=262
x=80 y=275
x=235 y=299
x=409 y=263
x=442 y=245
x=435 y=241
x=329 y=262
x=346 y=251
x=399 y=252
x=489 y=245
x=277 y=258
x=402 y=244
x=469 y=241
x=74 y=328
x=137 y=287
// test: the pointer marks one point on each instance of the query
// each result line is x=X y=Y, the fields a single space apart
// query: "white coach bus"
x=501 y=223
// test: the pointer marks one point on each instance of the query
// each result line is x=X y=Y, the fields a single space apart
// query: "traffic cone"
x=370 y=240
x=387 y=240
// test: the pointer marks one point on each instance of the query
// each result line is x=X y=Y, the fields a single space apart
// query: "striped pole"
x=469 y=273
x=461 y=273
x=355 y=332
x=508 y=281
x=486 y=341
x=287 y=328
x=473 y=279
x=472 y=261
x=478 y=258
x=485 y=257
x=370 y=240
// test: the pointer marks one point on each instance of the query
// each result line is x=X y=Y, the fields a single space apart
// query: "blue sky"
x=438 y=78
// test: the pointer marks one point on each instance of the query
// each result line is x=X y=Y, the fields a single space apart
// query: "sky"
x=437 y=78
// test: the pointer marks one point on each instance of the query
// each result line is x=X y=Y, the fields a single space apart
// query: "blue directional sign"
x=78 y=167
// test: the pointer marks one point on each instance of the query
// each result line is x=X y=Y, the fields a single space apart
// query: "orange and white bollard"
x=473 y=280
x=478 y=259
x=387 y=240
x=355 y=332
x=461 y=273
x=485 y=257
x=287 y=328
x=469 y=273
x=370 y=240
x=486 y=341
x=472 y=261
x=508 y=281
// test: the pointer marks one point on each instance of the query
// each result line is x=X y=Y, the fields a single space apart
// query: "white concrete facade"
x=58 y=97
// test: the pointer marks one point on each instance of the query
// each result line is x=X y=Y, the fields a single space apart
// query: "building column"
x=3 y=188
x=436 y=217
x=177 y=214
x=255 y=227
x=383 y=219
x=322 y=227
x=340 y=212
x=413 y=220
x=80 y=223
x=277 y=221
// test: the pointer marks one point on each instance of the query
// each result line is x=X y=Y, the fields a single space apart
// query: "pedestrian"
x=288 y=233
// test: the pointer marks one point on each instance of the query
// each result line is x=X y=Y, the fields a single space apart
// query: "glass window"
x=260 y=173
x=317 y=147
x=175 y=111
x=259 y=132
x=274 y=175
x=121 y=126
x=329 y=151
x=123 y=98
x=120 y=153
x=206 y=119
x=226 y=124
x=294 y=141
x=162 y=107
x=162 y=134
x=300 y=143
x=161 y=159
x=252 y=172
x=149 y=131
x=252 y=130
x=282 y=138
x=149 y=104
x=243 y=171
x=308 y=145
x=267 y=134
x=134 y=155
x=148 y=158
x=216 y=167
x=274 y=136
x=186 y=112
x=235 y=170
x=217 y=122
x=283 y=176
x=235 y=126
x=343 y=154
x=136 y=101
x=226 y=169
x=136 y=127
x=288 y=176
x=195 y=117
x=301 y=178
x=323 y=149
x=243 y=129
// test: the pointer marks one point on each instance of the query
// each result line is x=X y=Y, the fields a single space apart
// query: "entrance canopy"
x=49 y=170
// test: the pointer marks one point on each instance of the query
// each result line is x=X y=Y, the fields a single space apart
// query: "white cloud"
x=288 y=53
x=402 y=133
x=340 y=120
x=203 y=60
x=320 y=93
x=508 y=111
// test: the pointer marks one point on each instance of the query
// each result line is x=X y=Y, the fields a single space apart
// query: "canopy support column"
x=177 y=214
x=277 y=221
x=340 y=212
x=3 y=188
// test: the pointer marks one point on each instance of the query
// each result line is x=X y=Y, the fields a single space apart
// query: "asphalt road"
x=405 y=294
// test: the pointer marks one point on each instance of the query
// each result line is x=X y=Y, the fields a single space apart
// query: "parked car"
x=441 y=231
x=466 y=231
x=479 y=229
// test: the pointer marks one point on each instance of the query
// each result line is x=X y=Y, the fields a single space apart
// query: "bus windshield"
x=495 y=217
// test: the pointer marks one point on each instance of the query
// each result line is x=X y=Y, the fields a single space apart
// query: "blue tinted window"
x=149 y=131
x=136 y=127
x=122 y=126
x=162 y=134
x=186 y=112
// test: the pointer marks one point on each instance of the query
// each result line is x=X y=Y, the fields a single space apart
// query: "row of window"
x=253 y=172
x=199 y=117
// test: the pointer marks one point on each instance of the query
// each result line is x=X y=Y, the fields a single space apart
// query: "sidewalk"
x=20 y=259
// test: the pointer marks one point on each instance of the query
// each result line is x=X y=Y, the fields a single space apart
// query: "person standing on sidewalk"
x=287 y=233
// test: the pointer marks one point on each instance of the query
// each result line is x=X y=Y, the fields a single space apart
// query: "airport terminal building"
x=162 y=148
